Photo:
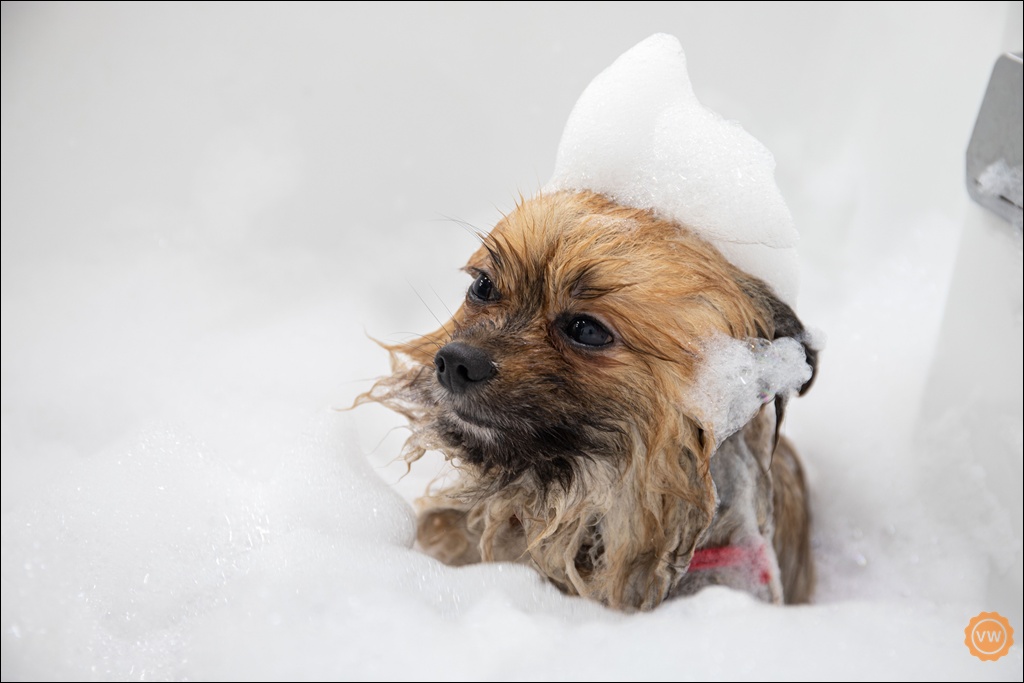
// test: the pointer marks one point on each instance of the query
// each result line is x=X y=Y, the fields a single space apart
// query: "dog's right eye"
x=483 y=289
x=587 y=331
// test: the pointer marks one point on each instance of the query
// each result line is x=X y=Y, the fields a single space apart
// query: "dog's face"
x=560 y=389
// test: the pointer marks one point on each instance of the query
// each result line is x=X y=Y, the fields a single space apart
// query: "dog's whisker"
x=424 y=343
x=425 y=304
x=470 y=229
x=442 y=302
x=385 y=438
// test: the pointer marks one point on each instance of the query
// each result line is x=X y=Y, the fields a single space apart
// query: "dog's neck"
x=736 y=550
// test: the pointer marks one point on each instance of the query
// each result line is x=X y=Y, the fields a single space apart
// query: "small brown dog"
x=559 y=392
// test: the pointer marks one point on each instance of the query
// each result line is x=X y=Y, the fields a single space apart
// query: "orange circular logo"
x=988 y=636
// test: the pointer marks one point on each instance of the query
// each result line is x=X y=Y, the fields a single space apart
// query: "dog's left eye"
x=587 y=331
x=483 y=289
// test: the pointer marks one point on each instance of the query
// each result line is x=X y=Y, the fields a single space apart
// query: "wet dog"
x=562 y=392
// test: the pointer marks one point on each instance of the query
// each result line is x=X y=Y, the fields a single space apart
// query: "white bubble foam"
x=639 y=135
x=999 y=179
x=737 y=377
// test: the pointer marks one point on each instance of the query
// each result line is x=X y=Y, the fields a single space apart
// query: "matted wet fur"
x=559 y=392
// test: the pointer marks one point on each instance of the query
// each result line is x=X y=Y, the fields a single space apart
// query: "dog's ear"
x=782 y=321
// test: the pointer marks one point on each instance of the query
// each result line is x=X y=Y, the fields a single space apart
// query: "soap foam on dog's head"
x=639 y=135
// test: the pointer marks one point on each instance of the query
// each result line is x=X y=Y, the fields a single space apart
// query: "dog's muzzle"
x=462 y=367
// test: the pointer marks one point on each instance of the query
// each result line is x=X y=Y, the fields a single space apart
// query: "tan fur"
x=623 y=527
x=792 y=525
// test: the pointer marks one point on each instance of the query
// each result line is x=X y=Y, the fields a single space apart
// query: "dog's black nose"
x=461 y=366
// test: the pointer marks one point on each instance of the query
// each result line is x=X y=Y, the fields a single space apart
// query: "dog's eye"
x=588 y=331
x=483 y=289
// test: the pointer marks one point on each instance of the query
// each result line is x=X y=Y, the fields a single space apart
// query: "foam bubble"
x=639 y=135
x=737 y=377
x=999 y=179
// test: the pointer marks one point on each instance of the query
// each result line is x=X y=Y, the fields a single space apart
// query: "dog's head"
x=560 y=389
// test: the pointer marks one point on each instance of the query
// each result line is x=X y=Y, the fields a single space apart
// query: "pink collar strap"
x=734 y=556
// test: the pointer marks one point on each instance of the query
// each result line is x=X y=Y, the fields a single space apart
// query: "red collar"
x=752 y=556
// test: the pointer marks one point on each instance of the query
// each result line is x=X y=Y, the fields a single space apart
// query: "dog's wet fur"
x=559 y=391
